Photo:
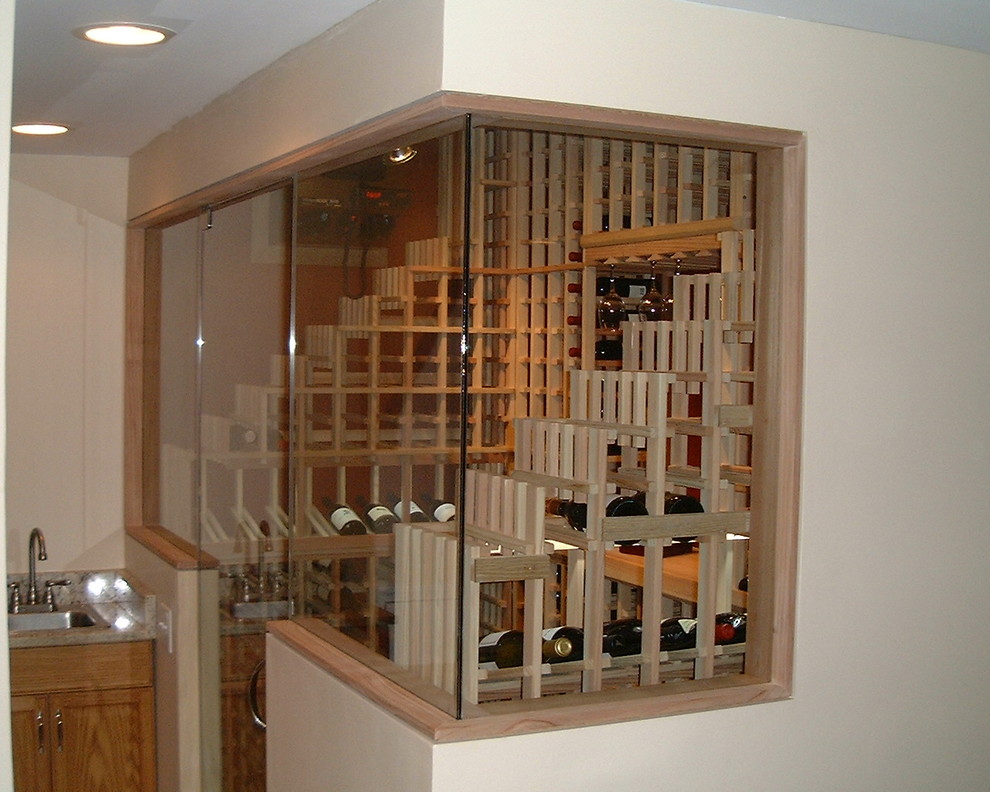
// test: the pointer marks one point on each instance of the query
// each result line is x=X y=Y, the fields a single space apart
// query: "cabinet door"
x=103 y=740
x=30 y=726
x=243 y=740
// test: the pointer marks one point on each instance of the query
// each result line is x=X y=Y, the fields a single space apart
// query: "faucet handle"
x=50 y=591
x=14 y=605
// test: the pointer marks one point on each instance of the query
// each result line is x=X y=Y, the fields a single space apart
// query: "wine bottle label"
x=445 y=512
x=637 y=291
x=403 y=514
x=491 y=639
x=343 y=515
x=376 y=513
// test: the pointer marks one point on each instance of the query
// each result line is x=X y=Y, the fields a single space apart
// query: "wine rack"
x=378 y=392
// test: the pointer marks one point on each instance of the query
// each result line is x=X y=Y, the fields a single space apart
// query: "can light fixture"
x=400 y=155
x=124 y=34
x=37 y=128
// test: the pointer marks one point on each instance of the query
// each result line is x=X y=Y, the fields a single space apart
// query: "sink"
x=276 y=609
x=59 y=620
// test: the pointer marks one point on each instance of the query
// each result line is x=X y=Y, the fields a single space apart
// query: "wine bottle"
x=743 y=584
x=730 y=628
x=608 y=349
x=622 y=637
x=411 y=514
x=575 y=256
x=575 y=513
x=626 y=506
x=575 y=639
x=346 y=520
x=675 y=503
x=440 y=510
x=380 y=518
x=574 y=288
x=573 y=319
x=678 y=634
x=505 y=649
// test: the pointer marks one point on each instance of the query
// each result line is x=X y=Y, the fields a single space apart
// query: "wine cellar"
x=605 y=303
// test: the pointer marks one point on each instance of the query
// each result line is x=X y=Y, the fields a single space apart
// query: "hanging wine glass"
x=611 y=308
x=654 y=306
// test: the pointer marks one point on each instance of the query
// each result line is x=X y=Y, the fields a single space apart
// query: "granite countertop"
x=126 y=606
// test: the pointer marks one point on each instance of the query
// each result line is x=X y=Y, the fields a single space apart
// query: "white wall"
x=6 y=70
x=892 y=686
x=321 y=719
x=65 y=360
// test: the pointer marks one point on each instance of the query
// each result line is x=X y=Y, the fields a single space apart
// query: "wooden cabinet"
x=243 y=739
x=83 y=717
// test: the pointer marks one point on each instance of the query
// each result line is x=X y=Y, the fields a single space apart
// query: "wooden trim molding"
x=516 y=717
x=172 y=549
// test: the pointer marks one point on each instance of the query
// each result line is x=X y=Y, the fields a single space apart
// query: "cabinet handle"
x=252 y=694
x=58 y=729
x=39 y=719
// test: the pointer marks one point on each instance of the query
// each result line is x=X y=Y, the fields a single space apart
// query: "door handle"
x=39 y=719
x=58 y=730
x=252 y=695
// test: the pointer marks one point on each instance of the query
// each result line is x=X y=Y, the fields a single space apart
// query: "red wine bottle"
x=574 y=635
x=622 y=637
x=730 y=628
x=608 y=349
x=505 y=649
x=678 y=634
x=674 y=503
x=575 y=513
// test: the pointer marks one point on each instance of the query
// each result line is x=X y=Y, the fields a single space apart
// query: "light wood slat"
x=667 y=526
x=495 y=569
x=662 y=232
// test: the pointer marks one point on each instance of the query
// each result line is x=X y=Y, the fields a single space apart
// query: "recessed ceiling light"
x=400 y=155
x=40 y=129
x=124 y=34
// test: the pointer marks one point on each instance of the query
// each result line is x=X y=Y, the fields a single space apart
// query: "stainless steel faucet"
x=264 y=545
x=36 y=538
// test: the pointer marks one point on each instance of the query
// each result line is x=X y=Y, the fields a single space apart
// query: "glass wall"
x=486 y=422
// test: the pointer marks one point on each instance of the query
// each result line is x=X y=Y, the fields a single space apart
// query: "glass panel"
x=243 y=474
x=377 y=410
x=178 y=400
x=612 y=316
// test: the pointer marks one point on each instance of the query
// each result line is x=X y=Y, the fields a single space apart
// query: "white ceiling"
x=117 y=101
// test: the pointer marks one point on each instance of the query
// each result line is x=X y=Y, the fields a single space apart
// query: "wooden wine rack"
x=380 y=390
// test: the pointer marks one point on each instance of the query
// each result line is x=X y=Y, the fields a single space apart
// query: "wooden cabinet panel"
x=243 y=740
x=29 y=738
x=104 y=740
x=100 y=738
